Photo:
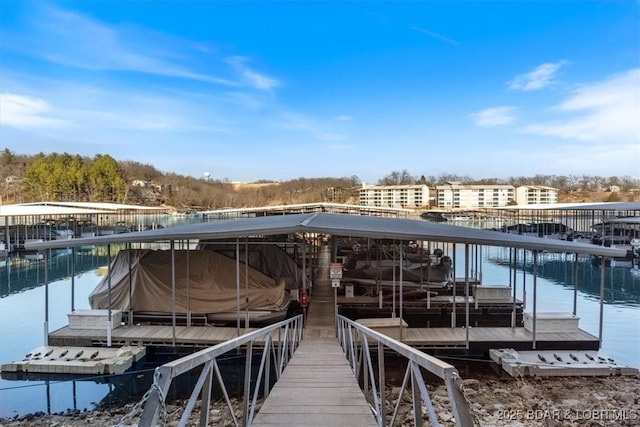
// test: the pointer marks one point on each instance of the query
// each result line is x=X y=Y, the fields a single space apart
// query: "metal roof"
x=112 y=207
x=338 y=225
x=44 y=210
x=587 y=206
x=310 y=207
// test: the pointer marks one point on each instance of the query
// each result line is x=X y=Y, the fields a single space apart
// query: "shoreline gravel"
x=496 y=401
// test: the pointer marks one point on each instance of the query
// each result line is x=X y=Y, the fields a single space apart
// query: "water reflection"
x=622 y=284
x=21 y=274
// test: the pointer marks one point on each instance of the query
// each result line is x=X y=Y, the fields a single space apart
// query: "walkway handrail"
x=289 y=335
x=354 y=339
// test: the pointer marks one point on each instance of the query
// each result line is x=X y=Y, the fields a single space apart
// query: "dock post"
x=602 y=264
x=109 y=319
x=466 y=293
x=575 y=285
x=515 y=284
x=535 y=296
x=46 y=297
x=453 y=301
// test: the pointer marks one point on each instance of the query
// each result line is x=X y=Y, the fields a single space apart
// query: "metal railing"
x=279 y=341
x=355 y=338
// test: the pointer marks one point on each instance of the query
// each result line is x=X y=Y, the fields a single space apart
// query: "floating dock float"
x=77 y=360
x=560 y=363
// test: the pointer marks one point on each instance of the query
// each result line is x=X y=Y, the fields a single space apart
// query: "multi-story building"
x=395 y=196
x=454 y=195
x=536 y=194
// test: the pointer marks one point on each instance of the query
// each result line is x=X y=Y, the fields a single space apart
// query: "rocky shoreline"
x=496 y=401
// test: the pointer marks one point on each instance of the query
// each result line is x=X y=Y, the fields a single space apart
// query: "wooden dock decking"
x=316 y=388
x=481 y=339
x=151 y=335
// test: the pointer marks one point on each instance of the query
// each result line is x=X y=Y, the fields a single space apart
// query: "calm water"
x=22 y=302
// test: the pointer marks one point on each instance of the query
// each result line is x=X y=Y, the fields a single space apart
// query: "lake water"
x=22 y=307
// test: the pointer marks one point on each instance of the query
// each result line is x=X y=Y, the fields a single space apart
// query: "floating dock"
x=77 y=360
x=558 y=363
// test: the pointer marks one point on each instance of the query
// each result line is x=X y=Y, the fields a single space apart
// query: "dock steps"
x=558 y=363
x=77 y=360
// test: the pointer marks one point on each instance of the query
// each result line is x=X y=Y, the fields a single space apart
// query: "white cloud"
x=344 y=118
x=541 y=77
x=250 y=76
x=25 y=112
x=496 y=116
x=433 y=34
x=77 y=40
x=80 y=41
x=607 y=112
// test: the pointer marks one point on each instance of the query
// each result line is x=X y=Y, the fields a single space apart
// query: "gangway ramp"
x=316 y=388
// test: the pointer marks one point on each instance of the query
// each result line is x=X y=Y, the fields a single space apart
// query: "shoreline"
x=496 y=401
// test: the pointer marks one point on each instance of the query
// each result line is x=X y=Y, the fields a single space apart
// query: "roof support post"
x=130 y=284
x=73 y=278
x=401 y=287
x=575 y=284
x=109 y=321
x=46 y=296
x=466 y=292
x=600 y=325
x=535 y=296
x=393 y=282
x=524 y=279
x=515 y=282
x=453 y=301
x=173 y=293
x=246 y=282
x=188 y=287
x=238 y=286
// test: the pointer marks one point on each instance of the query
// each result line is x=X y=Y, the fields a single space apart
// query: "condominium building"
x=536 y=194
x=456 y=195
x=395 y=196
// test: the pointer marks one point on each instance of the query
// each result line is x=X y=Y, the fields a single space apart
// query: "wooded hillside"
x=66 y=177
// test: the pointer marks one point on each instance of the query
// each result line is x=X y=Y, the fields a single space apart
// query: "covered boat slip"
x=389 y=229
x=199 y=282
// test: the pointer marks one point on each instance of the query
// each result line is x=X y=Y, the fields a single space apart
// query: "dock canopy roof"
x=338 y=225
x=581 y=206
x=72 y=208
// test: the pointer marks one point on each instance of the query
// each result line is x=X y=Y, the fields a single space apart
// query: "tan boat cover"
x=205 y=283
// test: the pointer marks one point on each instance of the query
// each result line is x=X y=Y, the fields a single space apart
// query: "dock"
x=146 y=335
x=320 y=324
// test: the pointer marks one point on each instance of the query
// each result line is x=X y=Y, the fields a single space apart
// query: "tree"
x=36 y=179
x=398 y=178
x=105 y=180
x=7 y=163
x=78 y=178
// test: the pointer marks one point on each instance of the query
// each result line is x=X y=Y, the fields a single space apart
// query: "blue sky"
x=279 y=90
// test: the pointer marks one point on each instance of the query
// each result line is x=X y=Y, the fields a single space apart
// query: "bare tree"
x=398 y=178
